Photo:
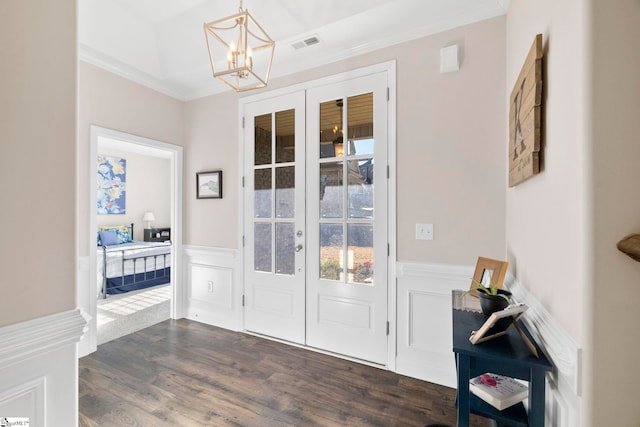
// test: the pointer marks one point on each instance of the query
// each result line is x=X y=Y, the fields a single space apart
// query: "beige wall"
x=547 y=229
x=615 y=111
x=212 y=144
x=112 y=102
x=148 y=190
x=37 y=164
x=451 y=150
x=586 y=199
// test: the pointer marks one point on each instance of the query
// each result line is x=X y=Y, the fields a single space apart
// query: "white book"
x=497 y=390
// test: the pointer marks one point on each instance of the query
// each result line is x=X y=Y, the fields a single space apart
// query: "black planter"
x=492 y=303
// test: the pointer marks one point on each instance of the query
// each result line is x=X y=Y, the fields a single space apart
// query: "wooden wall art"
x=525 y=117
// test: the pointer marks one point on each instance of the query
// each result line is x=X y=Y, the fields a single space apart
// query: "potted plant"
x=492 y=298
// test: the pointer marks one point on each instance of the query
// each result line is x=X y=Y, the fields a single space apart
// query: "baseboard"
x=39 y=369
x=212 y=286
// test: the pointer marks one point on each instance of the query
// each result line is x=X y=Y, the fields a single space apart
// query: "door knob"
x=298 y=248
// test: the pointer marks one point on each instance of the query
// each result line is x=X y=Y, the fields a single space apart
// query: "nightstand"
x=157 y=234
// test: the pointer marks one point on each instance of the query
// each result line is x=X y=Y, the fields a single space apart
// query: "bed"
x=125 y=265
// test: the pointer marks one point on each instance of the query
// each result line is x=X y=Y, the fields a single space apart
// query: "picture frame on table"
x=209 y=185
x=489 y=272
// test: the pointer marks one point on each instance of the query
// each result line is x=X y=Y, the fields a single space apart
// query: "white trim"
x=90 y=299
x=449 y=272
x=558 y=344
x=31 y=338
x=92 y=56
x=34 y=392
x=564 y=391
x=392 y=204
x=335 y=78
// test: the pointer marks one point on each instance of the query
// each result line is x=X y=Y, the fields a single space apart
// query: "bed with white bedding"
x=125 y=265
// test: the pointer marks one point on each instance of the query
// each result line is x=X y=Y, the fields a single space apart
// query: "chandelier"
x=240 y=51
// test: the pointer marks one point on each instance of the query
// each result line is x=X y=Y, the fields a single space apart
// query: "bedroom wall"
x=451 y=147
x=110 y=101
x=37 y=165
x=148 y=190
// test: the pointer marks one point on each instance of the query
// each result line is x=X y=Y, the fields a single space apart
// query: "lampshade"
x=149 y=216
x=240 y=51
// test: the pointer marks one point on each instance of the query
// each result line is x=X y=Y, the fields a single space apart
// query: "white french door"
x=346 y=218
x=315 y=218
x=274 y=230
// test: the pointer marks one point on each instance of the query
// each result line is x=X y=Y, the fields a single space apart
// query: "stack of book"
x=497 y=390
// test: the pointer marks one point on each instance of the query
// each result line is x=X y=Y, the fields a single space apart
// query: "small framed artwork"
x=490 y=273
x=498 y=323
x=209 y=185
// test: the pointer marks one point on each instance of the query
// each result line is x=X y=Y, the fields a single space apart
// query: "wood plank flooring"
x=184 y=373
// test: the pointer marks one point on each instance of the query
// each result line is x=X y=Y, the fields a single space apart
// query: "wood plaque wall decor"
x=525 y=117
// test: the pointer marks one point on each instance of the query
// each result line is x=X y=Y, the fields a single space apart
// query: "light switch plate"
x=424 y=231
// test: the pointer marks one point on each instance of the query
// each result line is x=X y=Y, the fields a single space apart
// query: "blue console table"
x=506 y=355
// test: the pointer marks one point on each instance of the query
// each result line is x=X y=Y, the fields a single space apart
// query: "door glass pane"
x=262 y=143
x=262 y=247
x=285 y=192
x=331 y=190
x=331 y=129
x=285 y=136
x=360 y=253
x=262 y=193
x=360 y=120
x=331 y=252
x=360 y=188
x=285 y=248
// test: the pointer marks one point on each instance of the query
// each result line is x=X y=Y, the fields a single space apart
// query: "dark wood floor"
x=184 y=373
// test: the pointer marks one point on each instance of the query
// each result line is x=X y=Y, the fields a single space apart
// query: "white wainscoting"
x=424 y=342
x=86 y=300
x=39 y=369
x=213 y=287
x=564 y=385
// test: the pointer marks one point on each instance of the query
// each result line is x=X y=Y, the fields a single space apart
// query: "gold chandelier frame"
x=245 y=45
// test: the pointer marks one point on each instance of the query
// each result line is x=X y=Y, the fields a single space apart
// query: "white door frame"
x=88 y=300
x=390 y=68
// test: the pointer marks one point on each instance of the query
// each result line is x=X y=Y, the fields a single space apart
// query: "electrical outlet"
x=210 y=285
x=424 y=231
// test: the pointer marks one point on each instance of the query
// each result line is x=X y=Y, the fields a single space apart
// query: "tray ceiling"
x=161 y=44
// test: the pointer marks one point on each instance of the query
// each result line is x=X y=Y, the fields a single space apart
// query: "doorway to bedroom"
x=135 y=227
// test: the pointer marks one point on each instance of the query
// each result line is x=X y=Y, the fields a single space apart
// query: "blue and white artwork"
x=112 y=185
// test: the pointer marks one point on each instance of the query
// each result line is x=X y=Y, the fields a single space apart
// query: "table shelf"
x=505 y=355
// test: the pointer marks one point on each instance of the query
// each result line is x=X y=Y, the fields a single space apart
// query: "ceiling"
x=161 y=43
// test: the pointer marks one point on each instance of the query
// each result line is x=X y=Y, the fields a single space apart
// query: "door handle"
x=298 y=248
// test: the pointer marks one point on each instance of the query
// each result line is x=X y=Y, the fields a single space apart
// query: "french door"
x=274 y=229
x=315 y=217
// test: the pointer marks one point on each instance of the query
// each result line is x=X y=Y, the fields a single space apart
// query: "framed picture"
x=209 y=185
x=498 y=323
x=489 y=272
